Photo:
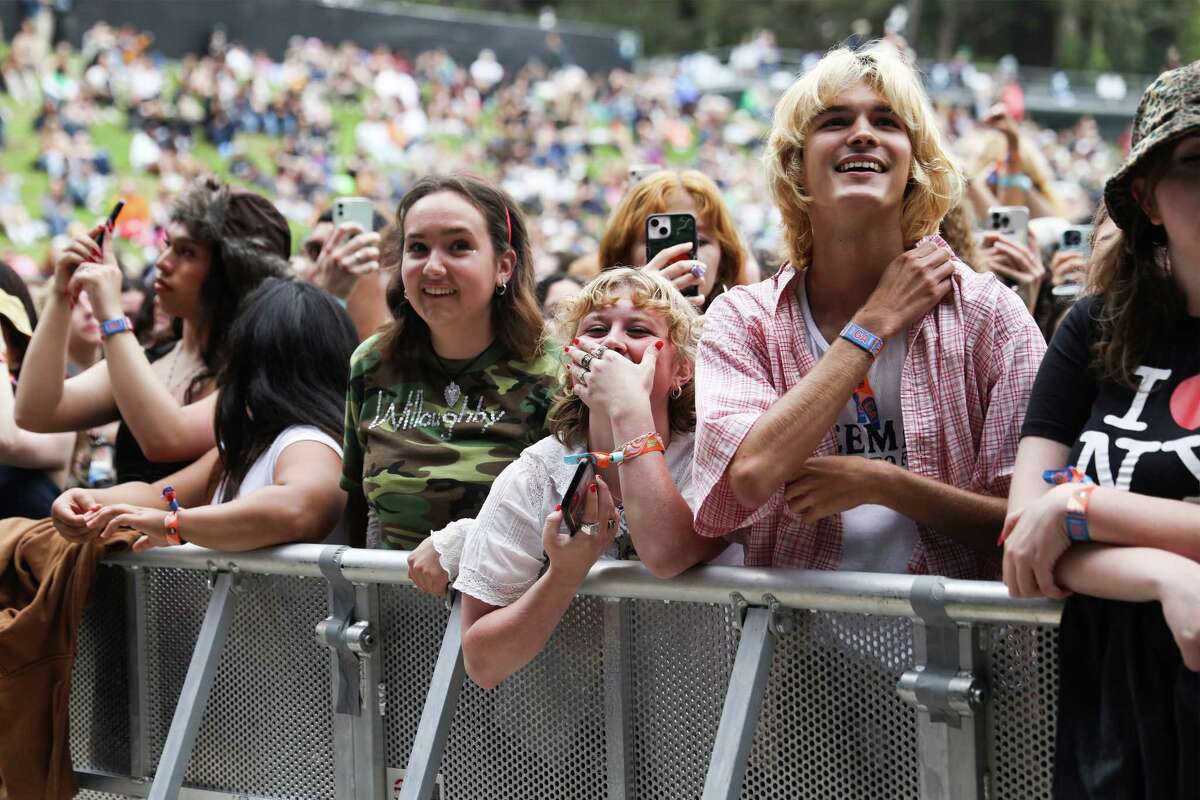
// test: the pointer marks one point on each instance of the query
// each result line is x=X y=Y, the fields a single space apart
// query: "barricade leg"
x=357 y=669
x=185 y=724
x=420 y=776
x=950 y=699
x=743 y=703
x=139 y=711
x=618 y=700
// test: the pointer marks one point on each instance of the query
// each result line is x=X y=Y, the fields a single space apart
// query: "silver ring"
x=612 y=523
x=588 y=527
x=586 y=361
x=600 y=351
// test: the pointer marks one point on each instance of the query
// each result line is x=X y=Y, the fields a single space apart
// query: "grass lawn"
x=21 y=150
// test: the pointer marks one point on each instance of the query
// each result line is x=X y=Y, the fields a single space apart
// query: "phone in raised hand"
x=668 y=230
x=112 y=220
x=357 y=210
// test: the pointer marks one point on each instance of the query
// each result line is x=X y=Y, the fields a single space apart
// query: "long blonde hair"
x=934 y=185
x=568 y=415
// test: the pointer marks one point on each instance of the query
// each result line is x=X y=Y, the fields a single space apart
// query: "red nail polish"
x=659 y=344
x=566 y=349
x=574 y=341
x=592 y=488
x=558 y=506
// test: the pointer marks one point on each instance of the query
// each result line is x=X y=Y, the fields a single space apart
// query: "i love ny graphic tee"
x=1144 y=439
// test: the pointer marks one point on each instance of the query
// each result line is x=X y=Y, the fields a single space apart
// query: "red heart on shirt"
x=1185 y=404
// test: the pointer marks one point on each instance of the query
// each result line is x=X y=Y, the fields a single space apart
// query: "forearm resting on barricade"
x=498 y=641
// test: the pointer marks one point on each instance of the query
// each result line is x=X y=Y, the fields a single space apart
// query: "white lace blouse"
x=501 y=551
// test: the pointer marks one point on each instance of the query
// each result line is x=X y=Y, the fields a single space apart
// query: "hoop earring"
x=677 y=392
x=501 y=290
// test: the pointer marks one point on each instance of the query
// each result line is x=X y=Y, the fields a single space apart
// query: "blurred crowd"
x=560 y=140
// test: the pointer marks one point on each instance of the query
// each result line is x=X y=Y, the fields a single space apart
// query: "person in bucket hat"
x=1105 y=498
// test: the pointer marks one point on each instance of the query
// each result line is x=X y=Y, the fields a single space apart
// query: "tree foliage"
x=1125 y=35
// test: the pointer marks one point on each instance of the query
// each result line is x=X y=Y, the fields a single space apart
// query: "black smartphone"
x=112 y=220
x=668 y=230
x=576 y=495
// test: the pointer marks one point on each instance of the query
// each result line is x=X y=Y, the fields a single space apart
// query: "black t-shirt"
x=1145 y=440
x=1115 y=658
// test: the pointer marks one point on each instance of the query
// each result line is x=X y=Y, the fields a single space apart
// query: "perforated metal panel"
x=540 y=734
x=268 y=728
x=99 y=682
x=1023 y=676
x=832 y=725
x=412 y=627
x=682 y=657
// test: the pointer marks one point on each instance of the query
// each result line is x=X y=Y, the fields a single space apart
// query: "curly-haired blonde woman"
x=630 y=367
x=860 y=410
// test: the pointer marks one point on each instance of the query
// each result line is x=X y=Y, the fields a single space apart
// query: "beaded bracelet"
x=646 y=443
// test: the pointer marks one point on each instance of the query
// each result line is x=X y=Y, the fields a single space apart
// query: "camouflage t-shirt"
x=425 y=453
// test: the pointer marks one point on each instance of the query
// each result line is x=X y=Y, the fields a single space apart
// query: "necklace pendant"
x=452 y=392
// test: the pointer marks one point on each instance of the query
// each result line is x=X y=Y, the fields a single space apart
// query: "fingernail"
x=592 y=488
x=574 y=341
x=566 y=349
x=558 y=506
x=659 y=344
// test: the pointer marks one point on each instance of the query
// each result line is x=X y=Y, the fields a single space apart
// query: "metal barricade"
x=319 y=672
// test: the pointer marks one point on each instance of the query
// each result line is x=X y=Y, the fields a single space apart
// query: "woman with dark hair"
x=272 y=479
x=1107 y=478
x=458 y=384
x=31 y=464
x=221 y=243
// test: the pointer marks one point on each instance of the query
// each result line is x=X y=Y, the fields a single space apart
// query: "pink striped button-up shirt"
x=964 y=386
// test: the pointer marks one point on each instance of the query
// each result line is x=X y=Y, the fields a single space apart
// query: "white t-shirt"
x=262 y=471
x=502 y=551
x=875 y=538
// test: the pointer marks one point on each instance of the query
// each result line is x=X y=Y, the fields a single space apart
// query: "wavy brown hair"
x=1132 y=279
x=516 y=317
x=568 y=415
x=651 y=196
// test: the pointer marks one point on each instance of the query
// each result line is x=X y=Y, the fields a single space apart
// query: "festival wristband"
x=1054 y=477
x=646 y=443
x=111 y=327
x=1076 y=517
x=859 y=336
x=171 y=523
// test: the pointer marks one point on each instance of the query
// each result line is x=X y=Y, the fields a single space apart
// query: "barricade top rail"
x=853 y=592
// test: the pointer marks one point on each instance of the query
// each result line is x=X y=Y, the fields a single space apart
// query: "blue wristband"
x=111 y=327
x=859 y=336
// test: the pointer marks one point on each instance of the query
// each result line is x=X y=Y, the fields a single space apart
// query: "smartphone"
x=1077 y=238
x=575 y=497
x=668 y=230
x=1011 y=221
x=358 y=210
x=112 y=220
